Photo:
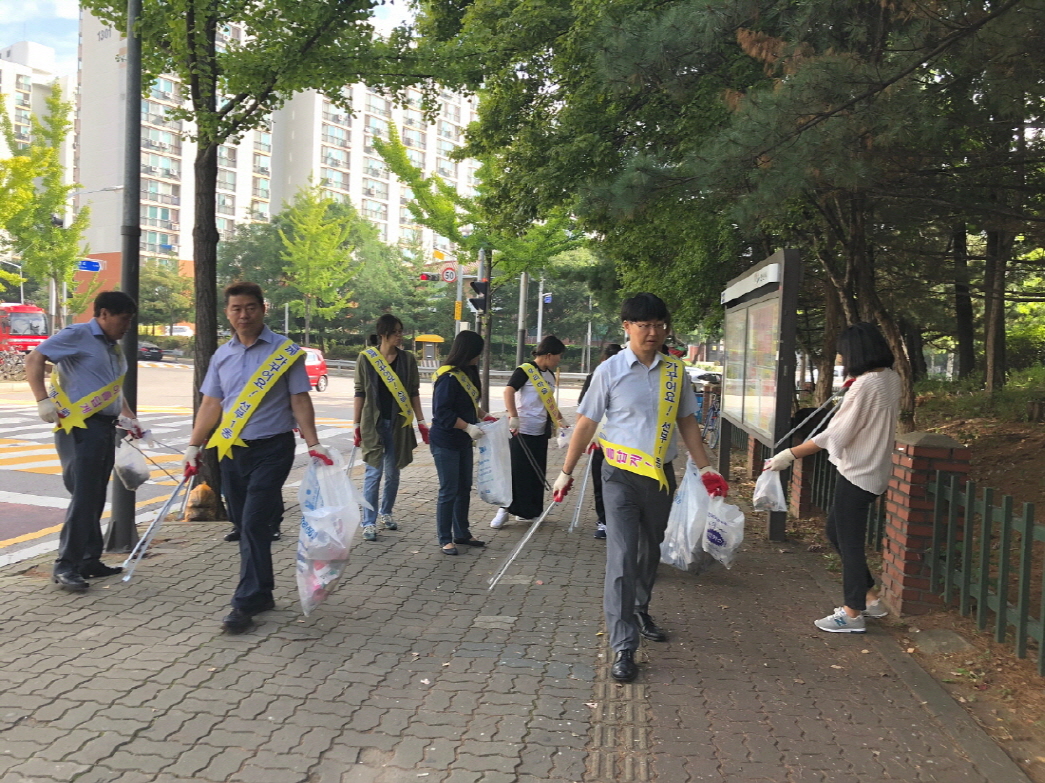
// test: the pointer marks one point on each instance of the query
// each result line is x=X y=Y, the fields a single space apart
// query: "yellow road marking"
x=57 y=528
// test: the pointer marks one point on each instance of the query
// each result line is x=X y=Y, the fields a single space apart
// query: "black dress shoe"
x=649 y=629
x=237 y=621
x=624 y=668
x=469 y=541
x=71 y=581
x=98 y=570
x=232 y=535
x=264 y=606
x=451 y=550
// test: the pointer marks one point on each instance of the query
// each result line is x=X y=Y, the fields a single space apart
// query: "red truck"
x=22 y=327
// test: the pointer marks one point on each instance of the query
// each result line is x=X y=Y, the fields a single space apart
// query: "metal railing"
x=346 y=367
x=983 y=556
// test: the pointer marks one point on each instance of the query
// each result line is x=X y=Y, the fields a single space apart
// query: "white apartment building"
x=308 y=137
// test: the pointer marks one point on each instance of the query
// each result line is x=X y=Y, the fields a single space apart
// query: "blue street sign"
x=547 y=298
x=90 y=265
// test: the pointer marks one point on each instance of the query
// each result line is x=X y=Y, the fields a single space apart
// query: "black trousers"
x=87 y=457
x=527 y=480
x=597 y=460
x=252 y=482
x=847 y=530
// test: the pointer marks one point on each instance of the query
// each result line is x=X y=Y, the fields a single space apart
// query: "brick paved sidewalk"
x=413 y=671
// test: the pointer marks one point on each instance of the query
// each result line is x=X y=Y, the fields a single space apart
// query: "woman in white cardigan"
x=859 y=440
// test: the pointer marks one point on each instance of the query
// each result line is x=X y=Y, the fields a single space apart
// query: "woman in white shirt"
x=859 y=440
x=531 y=427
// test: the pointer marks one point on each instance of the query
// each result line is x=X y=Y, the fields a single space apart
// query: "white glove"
x=781 y=461
x=561 y=486
x=320 y=452
x=190 y=463
x=47 y=410
x=474 y=431
x=513 y=423
x=131 y=427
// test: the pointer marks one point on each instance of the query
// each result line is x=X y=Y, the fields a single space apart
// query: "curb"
x=983 y=751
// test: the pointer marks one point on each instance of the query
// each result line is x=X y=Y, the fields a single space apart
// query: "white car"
x=181 y=330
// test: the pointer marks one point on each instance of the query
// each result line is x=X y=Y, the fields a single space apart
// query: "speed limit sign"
x=449 y=274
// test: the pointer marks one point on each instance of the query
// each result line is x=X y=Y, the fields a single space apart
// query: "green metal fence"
x=988 y=560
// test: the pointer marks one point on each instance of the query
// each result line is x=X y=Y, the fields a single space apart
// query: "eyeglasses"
x=649 y=327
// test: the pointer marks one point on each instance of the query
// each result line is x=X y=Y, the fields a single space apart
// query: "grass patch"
x=943 y=401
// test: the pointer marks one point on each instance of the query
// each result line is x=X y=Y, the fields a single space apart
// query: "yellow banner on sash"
x=544 y=392
x=464 y=380
x=264 y=378
x=395 y=386
x=637 y=460
x=75 y=414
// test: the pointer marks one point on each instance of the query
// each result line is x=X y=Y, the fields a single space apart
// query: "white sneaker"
x=387 y=522
x=840 y=622
x=524 y=519
x=499 y=518
x=876 y=609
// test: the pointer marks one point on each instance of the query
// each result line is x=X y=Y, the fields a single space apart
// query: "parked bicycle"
x=712 y=426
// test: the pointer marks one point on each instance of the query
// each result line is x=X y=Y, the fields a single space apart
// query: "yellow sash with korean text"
x=264 y=378
x=75 y=414
x=395 y=386
x=637 y=460
x=464 y=380
x=544 y=392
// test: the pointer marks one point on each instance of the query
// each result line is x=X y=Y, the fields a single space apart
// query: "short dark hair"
x=466 y=346
x=550 y=345
x=610 y=349
x=116 y=302
x=644 y=307
x=863 y=349
x=243 y=288
x=384 y=327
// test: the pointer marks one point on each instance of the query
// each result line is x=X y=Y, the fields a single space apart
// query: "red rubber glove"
x=593 y=446
x=561 y=487
x=359 y=439
x=490 y=418
x=713 y=482
x=320 y=452
x=424 y=431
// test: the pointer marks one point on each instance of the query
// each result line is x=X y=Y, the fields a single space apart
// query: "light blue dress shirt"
x=624 y=395
x=232 y=366
x=87 y=360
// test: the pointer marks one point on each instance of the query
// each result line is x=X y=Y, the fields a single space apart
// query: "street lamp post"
x=123 y=535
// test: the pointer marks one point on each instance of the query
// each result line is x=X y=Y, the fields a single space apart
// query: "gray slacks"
x=87 y=457
x=636 y=516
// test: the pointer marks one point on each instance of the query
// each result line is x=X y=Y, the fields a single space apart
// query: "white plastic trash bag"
x=494 y=471
x=562 y=440
x=130 y=465
x=724 y=532
x=684 y=536
x=330 y=516
x=769 y=492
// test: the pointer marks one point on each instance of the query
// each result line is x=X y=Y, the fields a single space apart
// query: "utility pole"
x=485 y=325
x=540 y=310
x=122 y=534
x=524 y=285
x=587 y=342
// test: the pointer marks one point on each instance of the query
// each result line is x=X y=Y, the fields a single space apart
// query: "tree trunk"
x=834 y=320
x=965 y=332
x=999 y=249
x=915 y=346
x=205 y=255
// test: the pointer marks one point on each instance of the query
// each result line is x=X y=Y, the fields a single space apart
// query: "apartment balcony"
x=153 y=247
x=160 y=198
x=261 y=146
x=338 y=119
x=22 y=100
x=382 y=112
x=225 y=209
x=162 y=121
x=375 y=214
x=163 y=146
x=169 y=225
x=229 y=163
x=260 y=193
x=264 y=171
x=370 y=171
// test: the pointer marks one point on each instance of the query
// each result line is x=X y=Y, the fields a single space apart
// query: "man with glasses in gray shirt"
x=640 y=396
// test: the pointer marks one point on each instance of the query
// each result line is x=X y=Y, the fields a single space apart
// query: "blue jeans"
x=388 y=469
x=454 y=467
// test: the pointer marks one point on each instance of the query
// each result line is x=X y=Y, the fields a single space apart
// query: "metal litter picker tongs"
x=143 y=543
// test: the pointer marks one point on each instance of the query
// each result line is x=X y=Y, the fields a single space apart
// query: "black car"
x=150 y=352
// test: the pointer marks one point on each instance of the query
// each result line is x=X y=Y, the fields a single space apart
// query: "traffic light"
x=429 y=276
x=481 y=303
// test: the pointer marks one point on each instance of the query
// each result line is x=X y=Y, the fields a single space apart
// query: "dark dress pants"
x=598 y=459
x=87 y=456
x=527 y=480
x=252 y=482
x=454 y=468
x=847 y=532
x=637 y=512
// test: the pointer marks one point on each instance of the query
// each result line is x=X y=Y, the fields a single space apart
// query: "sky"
x=55 y=23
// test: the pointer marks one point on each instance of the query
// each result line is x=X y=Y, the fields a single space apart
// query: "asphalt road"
x=33 y=498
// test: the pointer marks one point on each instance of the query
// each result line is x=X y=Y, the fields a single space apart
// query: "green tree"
x=36 y=224
x=320 y=260
x=165 y=295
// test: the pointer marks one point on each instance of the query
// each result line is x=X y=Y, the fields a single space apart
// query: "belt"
x=252 y=441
